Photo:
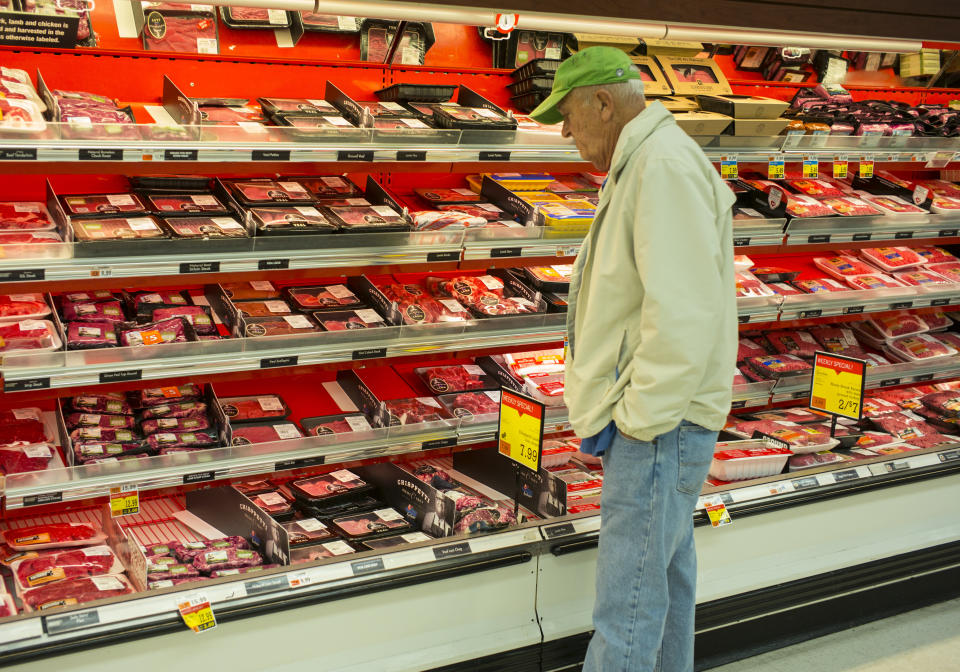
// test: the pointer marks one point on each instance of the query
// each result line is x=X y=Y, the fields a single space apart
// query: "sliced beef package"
x=117 y=229
x=284 y=325
x=372 y=524
x=264 y=432
x=322 y=296
x=186 y=204
x=25 y=216
x=302 y=219
x=267 y=192
x=339 y=423
x=191 y=228
x=66 y=564
x=254 y=408
x=170 y=330
x=75 y=591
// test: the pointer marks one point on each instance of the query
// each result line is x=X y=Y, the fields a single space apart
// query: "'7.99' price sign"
x=837 y=385
x=520 y=434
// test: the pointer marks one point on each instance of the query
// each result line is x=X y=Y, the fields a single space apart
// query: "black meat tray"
x=530 y=85
x=538 y=66
x=420 y=93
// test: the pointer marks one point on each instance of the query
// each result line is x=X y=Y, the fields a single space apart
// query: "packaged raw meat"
x=373 y=218
x=307 y=532
x=176 y=425
x=477 y=514
x=284 y=325
x=892 y=259
x=488 y=211
x=372 y=524
x=817 y=285
x=87 y=452
x=168 y=572
x=98 y=205
x=835 y=339
x=949 y=338
x=945 y=205
x=438 y=478
x=146 y=301
x=302 y=219
x=75 y=591
x=25 y=216
x=263 y=308
x=919 y=347
x=158 y=396
x=783 y=289
x=88 y=297
x=191 y=439
x=930 y=441
x=437 y=196
x=892 y=206
x=937 y=321
x=117 y=229
x=256 y=408
x=205 y=227
x=257 y=289
x=226 y=558
x=106 y=310
x=921 y=278
x=898 y=324
x=266 y=192
x=550 y=278
x=416 y=307
x=300 y=105
x=738 y=461
x=188 y=551
x=19 y=458
x=322 y=296
x=88 y=335
x=547 y=388
x=113 y=404
x=470 y=406
x=230 y=115
x=328 y=549
x=329 y=487
x=850 y=206
x=748 y=285
x=186 y=204
x=279 y=507
x=264 y=432
x=742 y=262
x=535 y=361
x=799 y=205
x=184 y=29
x=799 y=343
x=339 y=423
x=432 y=220
x=22 y=307
x=949 y=270
x=97 y=433
x=104 y=421
x=28 y=336
x=365 y=318
x=843 y=267
x=945 y=403
x=935 y=255
x=329 y=186
x=170 y=330
x=739 y=378
x=412 y=411
x=793 y=415
x=876 y=406
x=456 y=378
x=775 y=366
x=819 y=189
x=216 y=574
x=198 y=317
x=874 y=280
x=818 y=459
x=176 y=409
x=386 y=543
x=17 y=245
x=53 y=535
x=63 y=565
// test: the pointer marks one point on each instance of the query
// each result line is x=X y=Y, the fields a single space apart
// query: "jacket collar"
x=633 y=135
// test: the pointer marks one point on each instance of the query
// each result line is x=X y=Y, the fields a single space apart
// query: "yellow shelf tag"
x=811 y=168
x=837 y=385
x=124 y=501
x=866 y=168
x=717 y=512
x=521 y=429
x=197 y=613
x=728 y=167
x=840 y=167
x=776 y=169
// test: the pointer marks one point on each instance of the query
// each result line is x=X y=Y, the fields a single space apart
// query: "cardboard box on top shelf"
x=694 y=76
x=654 y=81
x=627 y=44
x=698 y=123
x=924 y=62
x=677 y=104
x=743 y=107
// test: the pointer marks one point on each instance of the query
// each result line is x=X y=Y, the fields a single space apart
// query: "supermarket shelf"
x=863 y=229
x=754 y=309
x=514 y=243
x=151 y=473
x=831 y=304
x=93 y=367
x=752 y=394
x=758 y=233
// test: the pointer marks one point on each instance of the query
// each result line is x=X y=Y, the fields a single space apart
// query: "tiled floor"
x=925 y=640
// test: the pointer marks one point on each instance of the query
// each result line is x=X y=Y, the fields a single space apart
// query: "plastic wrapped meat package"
x=811 y=460
x=19 y=458
x=17 y=307
x=330 y=186
x=322 y=297
x=176 y=409
x=437 y=197
x=198 y=317
x=747 y=348
x=523 y=364
x=556 y=453
x=413 y=411
x=365 y=318
x=254 y=408
x=843 y=267
x=945 y=205
x=24 y=244
x=794 y=415
x=258 y=192
x=193 y=439
x=25 y=216
x=245 y=434
x=892 y=206
x=468 y=406
x=175 y=425
x=102 y=420
x=109 y=310
x=65 y=564
x=329 y=487
x=179 y=28
x=186 y=204
x=877 y=406
x=284 y=325
x=307 y=532
x=263 y=308
x=892 y=259
x=226 y=558
x=256 y=289
x=819 y=189
x=775 y=366
x=935 y=255
x=937 y=321
x=205 y=227
x=898 y=324
x=799 y=343
x=748 y=285
x=340 y=423
x=749 y=459
x=75 y=591
x=97 y=205
x=838 y=340
x=275 y=503
x=432 y=220
x=117 y=229
x=373 y=218
x=455 y=378
x=921 y=278
x=159 y=396
x=303 y=219
x=547 y=388
x=783 y=289
x=171 y=330
x=372 y=524
x=28 y=336
x=819 y=285
x=417 y=307
x=799 y=205
x=487 y=211
x=53 y=535
x=484 y=294
x=919 y=347
x=849 y=206
x=298 y=105
x=478 y=514
x=874 y=280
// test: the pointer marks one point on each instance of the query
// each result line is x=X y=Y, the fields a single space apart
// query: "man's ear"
x=606 y=105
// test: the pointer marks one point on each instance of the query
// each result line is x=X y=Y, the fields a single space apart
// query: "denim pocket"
x=696 y=445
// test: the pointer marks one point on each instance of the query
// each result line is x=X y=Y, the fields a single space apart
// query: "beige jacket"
x=652 y=292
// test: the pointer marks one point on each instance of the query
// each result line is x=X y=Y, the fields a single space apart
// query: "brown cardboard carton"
x=743 y=107
x=654 y=82
x=694 y=76
x=702 y=123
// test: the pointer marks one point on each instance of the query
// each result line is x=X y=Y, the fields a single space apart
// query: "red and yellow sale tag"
x=837 y=385
x=717 y=512
x=521 y=429
x=197 y=613
x=124 y=501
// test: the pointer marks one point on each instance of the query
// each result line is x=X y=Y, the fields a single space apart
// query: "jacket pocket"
x=696 y=445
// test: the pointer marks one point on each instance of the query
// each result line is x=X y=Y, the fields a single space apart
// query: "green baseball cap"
x=594 y=65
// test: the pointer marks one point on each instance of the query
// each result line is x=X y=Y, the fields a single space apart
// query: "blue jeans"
x=647 y=564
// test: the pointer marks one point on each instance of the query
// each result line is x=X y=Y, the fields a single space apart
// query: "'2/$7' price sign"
x=837 y=385
x=521 y=429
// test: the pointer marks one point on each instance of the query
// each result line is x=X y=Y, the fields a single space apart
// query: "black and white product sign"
x=38 y=30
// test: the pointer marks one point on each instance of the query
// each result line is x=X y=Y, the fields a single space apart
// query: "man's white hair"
x=624 y=93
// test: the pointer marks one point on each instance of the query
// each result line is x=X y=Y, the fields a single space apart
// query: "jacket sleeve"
x=679 y=259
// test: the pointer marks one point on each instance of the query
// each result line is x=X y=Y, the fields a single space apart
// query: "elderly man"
x=652 y=334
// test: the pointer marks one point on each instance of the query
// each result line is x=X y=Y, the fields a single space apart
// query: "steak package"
x=176 y=409
x=339 y=423
x=186 y=204
x=255 y=408
x=365 y=318
x=121 y=435
x=227 y=558
x=187 y=551
x=418 y=307
x=19 y=458
x=99 y=205
x=437 y=197
x=106 y=310
x=372 y=524
x=101 y=403
x=198 y=317
x=434 y=220
x=477 y=514
x=190 y=439
x=23 y=306
x=158 y=396
x=117 y=229
x=170 y=571
x=205 y=227
x=255 y=17
x=315 y=106
x=266 y=192
x=53 y=535
x=171 y=330
x=284 y=325
x=275 y=503
x=256 y=289
x=456 y=378
x=180 y=28
x=264 y=432
x=28 y=335
x=329 y=186
x=100 y=420
x=307 y=532
x=263 y=308
x=91 y=334
x=485 y=295
x=327 y=488
x=468 y=405
x=75 y=591
x=370 y=219
x=61 y=565
x=413 y=411
x=88 y=452
x=319 y=297
x=302 y=219
x=25 y=216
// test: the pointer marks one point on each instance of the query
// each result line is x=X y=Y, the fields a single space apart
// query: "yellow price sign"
x=866 y=168
x=520 y=434
x=776 y=169
x=197 y=613
x=840 y=167
x=837 y=385
x=811 y=168
x=124 y=501
x=728 y=168
x=717 y=512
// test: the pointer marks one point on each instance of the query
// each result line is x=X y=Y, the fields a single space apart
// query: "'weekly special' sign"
x=837 y=385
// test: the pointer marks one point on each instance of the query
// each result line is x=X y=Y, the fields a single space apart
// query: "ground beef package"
x=892 y=259
x=873 y=281
x=921 y=278
x=798 y=343
x=843 y=267
x=775 y=366
x=919 y=347
x=898 y=324
x=818 y=285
